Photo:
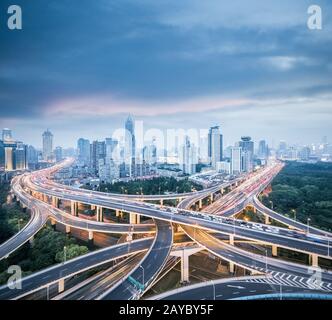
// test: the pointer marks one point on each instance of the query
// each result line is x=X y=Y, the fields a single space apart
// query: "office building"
x=215 y=146
x=47 y=146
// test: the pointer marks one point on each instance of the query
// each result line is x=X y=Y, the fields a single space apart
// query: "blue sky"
x=79 y=67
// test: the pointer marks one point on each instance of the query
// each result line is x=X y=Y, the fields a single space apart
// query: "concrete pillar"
x=55 y=202
x=314 y=260
x=74 y=208
x=222 y=191
x=90 y=235
x=99 y=213
x=211 y=197
x=200 y=204
x=185 y=268
x=93 y=207
x=132 y=218
x=117 y=213
x=61 y=285
x=231 y=267
x=231 y=239
x=274 y=251
x=67 y=229
x=267 y=220
x=161 y=202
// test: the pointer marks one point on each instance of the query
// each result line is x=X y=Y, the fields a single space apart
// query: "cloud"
x=285 y=63
x=103 y=106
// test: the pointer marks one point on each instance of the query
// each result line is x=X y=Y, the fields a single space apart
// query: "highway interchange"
x=37 y=192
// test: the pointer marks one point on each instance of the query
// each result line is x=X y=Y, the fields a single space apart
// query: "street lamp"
x=143 y=275
x=234 y=226
x=271 y=202
x=214 y=290
x=328 y=245
x=19 y=224
x=64 y=254
x=308 y=221
x=266 y=261
x=294 y=212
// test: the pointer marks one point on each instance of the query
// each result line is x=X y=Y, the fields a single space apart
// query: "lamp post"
x=266 y=261
x=19 y=224
x=234 y=226
x=64 y=254
x=214 y=290
x=294 y=212
x=328 y=245
x=143 y=275
x=271 y=202
x=308 y=226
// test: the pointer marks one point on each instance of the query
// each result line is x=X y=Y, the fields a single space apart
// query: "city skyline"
x=168 y=65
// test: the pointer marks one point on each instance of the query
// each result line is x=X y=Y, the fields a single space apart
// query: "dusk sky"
x=79 y=67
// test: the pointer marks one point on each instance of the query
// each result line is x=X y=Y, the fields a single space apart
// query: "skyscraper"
x=130 y=145
x=188 y=157
x=47 y=145
x=9 y=146
x=247 y=146
x=58 y=154
x=263 y=150
x=83 y=147
x=215 y=146
x=7 y=135
x=97 y=152
x=20 y=156
x=236 y=156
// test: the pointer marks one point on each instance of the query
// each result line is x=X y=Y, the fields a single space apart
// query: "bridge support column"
x=231 y=267
x=314 y=260
x=134 y=218
x=90 y=236
x=274 y=251
x=67 y=229
x=55 y=202
x=117 y=213
x=211 y=197
x=100 y=214
x=200 y=204
x=231 y=239
x=61 y=285
x=222 y=191
x=93 y=207
x=53 y=223
x=45 y=198
x=74 y=208
x=185 y=268
x=267 y=220
x=161 y=202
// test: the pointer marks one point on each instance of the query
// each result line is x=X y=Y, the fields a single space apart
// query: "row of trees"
x=46 y=249
x=303 y=191
x=158 y=185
